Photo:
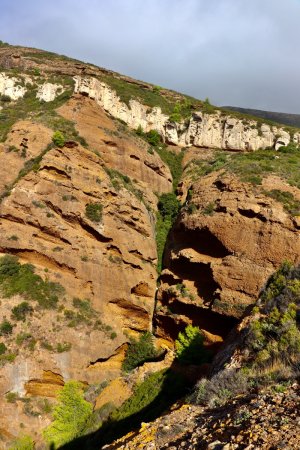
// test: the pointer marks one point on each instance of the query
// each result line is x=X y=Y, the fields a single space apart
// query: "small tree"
x=189 y=346
x=70 y=415
x=139 y=352
x=58 y=139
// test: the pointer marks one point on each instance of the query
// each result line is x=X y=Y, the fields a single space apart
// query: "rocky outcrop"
x=11 y=87
x=47 y=92
x=225 y=244
x=216 y=130
x=260 y=421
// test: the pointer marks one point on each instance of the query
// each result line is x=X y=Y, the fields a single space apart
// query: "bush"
x=93 y=211
x=70 y=415
x=220 y=388
x=189 y=346
x=139 y=351
x=16 y=278
x=3 y=348
x=58 y=139
x=153 y=137
x=5 y=98
x=20 y=311
x=5 y=328
x=168 y=206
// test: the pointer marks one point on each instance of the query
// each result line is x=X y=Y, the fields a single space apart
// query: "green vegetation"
x=139 y=351
x=93 y=211
x=3 y=348
x=252 y=167
x=58 y=139
x=16 y=278
x=39 y=111
x=63 y=347
x=20 y=311
x=168 y=208
x=270 y=346
x=287 y=199
x=274 y=335
x=189 y=346
x=150 y=398
x=70 y=415
x=23 y=443
x=11 y=397
x=6 y=328
x=5 y=98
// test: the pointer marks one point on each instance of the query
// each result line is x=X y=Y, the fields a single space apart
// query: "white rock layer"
x=48 y=91
x=203 y=130
x=9 y=86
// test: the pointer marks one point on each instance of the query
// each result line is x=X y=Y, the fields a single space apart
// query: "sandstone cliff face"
x=228 y=238
x=221 y=252
x=112 y=263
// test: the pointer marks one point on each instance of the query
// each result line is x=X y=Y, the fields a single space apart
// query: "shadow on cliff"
x=170 y=385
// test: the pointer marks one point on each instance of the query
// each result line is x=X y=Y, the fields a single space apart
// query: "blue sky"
x=236 y=52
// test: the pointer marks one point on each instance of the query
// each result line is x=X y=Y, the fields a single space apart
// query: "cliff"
x=80 y=218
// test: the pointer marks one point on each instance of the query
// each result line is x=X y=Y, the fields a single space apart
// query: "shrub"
x=64 y=347
x=11 y=397
x=153 y=137
x=70 y=415
x=139 y=351
x=23 y=443
x=220 y=388
x=189 y=346
x=168 y=206
x=20 y=311
x=5 y=328
x=5 y=98
x=16 y=278
x=3 y=348
x=58 y=139
x=93 y=211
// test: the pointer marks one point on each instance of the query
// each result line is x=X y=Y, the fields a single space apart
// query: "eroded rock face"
x=221 y=253
x=203 y=130
x=112 y=262
x=47 y=92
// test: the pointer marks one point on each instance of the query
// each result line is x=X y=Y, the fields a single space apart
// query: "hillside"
x=128 y=213
x=292 y=120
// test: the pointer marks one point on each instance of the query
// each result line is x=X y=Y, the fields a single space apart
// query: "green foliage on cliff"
x=139 y=351
x=168 y=207
x=149 y=399
x=58 y=139
x=16 y=278
x=23 y=443
x=253 y=166
x=189 y=346
x=274 y=335
x=70 y=415
x=93 y=211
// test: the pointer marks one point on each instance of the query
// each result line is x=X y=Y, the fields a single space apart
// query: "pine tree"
x=70 y=415
x=189 y=346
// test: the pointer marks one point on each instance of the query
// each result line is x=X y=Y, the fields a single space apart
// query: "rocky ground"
x=268 y=420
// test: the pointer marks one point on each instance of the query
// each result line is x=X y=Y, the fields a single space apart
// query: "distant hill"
x=292 y=120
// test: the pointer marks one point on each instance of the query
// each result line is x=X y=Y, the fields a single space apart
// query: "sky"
x=234 y=52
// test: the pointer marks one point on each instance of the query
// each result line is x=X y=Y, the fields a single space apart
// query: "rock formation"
x=83 y=213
